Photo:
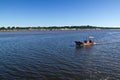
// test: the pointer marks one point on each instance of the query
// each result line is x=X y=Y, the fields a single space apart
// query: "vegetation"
x=13 y=28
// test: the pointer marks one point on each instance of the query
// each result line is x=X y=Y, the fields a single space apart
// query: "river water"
x=52 y=55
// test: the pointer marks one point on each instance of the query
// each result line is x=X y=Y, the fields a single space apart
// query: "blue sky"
x=59 y=13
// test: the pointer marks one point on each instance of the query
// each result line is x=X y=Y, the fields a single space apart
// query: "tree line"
x=55 y=28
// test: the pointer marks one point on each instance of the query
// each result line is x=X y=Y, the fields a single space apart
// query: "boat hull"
x=79 y=44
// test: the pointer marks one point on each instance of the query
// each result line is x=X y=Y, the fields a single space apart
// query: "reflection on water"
x=52 y=55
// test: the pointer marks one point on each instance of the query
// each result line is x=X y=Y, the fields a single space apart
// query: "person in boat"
x=90 y=41
x=86 y=42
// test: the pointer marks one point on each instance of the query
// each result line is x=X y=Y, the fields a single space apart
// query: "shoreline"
x=55 y=28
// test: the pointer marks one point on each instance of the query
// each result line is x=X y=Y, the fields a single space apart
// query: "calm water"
x=52 y=55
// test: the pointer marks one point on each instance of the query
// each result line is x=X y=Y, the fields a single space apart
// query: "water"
x=52 y=55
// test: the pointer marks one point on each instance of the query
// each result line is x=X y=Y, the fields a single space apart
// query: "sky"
x=24 y=13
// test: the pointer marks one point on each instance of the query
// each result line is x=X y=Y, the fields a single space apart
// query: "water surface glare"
x=52 y=55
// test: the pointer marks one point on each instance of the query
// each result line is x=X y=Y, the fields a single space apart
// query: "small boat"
x=85 y=43
x=82 y=44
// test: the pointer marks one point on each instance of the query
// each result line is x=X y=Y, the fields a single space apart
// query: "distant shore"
x=56 y=28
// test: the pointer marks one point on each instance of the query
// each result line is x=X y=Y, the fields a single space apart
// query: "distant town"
x=13 y=28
